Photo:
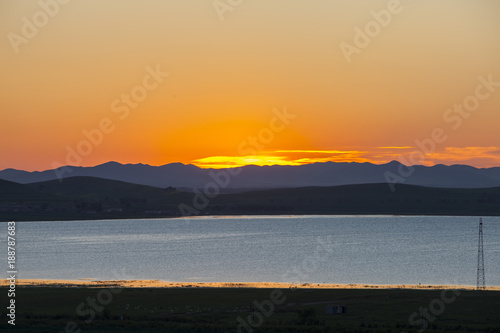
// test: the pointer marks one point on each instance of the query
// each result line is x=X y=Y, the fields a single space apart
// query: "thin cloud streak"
x=474 y=156
x=318 y=151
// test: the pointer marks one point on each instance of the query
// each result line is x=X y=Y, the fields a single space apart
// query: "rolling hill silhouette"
x=96 y=198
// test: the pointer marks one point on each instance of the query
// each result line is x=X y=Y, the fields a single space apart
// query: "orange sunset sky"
x=257 y=82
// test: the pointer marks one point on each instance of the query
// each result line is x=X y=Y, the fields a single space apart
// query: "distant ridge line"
x=317 y=174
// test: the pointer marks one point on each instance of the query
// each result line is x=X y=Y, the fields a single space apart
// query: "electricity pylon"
x=481 y=284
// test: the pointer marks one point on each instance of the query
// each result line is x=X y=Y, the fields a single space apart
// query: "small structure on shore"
x=335 y=309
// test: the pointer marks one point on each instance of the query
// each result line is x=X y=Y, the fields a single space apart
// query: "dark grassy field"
x=217 y=310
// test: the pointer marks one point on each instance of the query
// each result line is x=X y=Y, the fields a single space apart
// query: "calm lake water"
x=300 y=249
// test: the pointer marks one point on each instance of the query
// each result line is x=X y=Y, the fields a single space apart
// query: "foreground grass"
x=44 y=309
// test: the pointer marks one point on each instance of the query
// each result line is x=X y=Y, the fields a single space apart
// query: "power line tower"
x=481 y=285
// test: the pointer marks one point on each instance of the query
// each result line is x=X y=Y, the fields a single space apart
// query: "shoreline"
x=84 y=283
x=90 y=218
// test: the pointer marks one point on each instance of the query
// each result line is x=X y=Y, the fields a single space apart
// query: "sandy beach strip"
x=85 y=283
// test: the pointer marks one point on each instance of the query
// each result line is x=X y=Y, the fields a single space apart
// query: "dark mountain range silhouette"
x=265 y=177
